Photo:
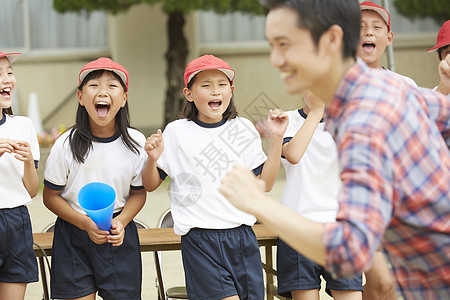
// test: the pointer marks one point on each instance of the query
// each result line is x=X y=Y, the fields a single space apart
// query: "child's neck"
x=306 y=109
x=103 y=131
x=376 y=65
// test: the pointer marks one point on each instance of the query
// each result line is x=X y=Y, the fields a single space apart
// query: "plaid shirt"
x=395 y=170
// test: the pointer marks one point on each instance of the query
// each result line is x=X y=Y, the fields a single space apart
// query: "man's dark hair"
x=440 y=50
x=318 y=16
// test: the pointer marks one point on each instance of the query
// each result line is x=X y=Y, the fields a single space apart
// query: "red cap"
x=207 y=62
x=104 y=63
x=443 y=37
x=368 y=5
x=12 y=57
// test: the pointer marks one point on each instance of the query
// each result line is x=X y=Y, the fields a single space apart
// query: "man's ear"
x=188 y=94
x=332 y=38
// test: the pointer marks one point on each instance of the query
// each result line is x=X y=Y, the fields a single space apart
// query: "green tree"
x=438 y=10
x=177 y=49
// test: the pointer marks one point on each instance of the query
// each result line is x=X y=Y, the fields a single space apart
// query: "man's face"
x=301 y=62
x=374 y=38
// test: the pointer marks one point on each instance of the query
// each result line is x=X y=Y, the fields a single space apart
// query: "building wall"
x=138 y=41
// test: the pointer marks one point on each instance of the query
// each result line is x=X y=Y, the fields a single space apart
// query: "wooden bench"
x=164 y=239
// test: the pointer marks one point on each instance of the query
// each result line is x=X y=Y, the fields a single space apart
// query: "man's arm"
x=246 y=192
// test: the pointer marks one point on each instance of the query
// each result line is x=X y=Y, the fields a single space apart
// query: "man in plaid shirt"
x=393 y=142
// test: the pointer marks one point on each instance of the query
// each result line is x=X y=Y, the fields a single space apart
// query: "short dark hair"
x=190 y=110
x=440 y=50
x=318 y=16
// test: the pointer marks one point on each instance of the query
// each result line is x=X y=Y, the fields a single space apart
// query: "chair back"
x=166 y=220
x=179 y=292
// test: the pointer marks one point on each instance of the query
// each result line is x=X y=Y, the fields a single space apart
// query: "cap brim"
x=436 y=48
x=229 y=73
x=379 y=11
x=12 y=57
x=121 y=74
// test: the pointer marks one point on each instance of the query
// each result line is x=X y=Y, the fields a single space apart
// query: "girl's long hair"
x=8 y=111
x=81 y=138
x=190 y=110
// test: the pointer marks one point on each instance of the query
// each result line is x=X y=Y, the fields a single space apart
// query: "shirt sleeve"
x=141 y=158
x=254 y=155
x=34 y=144
x=56 y=168
x=162 y=163
x=365 y=207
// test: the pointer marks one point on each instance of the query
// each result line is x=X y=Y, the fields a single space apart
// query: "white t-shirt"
x=409 y=80
x=313 y=184
x=196 y=157
x=12 y=190
x=435 y=88
x=108 y=161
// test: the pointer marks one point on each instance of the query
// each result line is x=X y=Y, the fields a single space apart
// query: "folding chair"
x=42 y=263
x=177 y=292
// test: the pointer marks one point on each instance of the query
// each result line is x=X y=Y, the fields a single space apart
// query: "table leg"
x=269 y=276
x=44 y=278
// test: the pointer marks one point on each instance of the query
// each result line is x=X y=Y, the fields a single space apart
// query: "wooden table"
x=163 y=239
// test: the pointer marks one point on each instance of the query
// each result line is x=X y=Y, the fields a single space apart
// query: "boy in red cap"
x=221 y=257
x=101 y=146
x=392 y=141
x=19 y=157
x=376 y=35
x=443 y=49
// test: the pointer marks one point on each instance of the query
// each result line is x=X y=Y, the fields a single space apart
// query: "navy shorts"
x=80 y=267
x=220 y=263
x=296 y=272
x=17 y=259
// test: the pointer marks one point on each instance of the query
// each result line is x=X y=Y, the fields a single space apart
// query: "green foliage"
x=218 y=6
x=112 y=6
x=438 y=10
x=185 y=6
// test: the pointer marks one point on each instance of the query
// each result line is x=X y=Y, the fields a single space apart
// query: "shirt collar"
x=304 y=115
x=343 y=92
x=107 y=139
x=209 y=125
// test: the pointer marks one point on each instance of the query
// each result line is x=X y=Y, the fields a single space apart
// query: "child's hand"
x=444 y=74
x=117 y=233
x=23 y=151
x=97 y=235
x=277 y=122
x=154 y=145
x=7 y=146
x=314 y=103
